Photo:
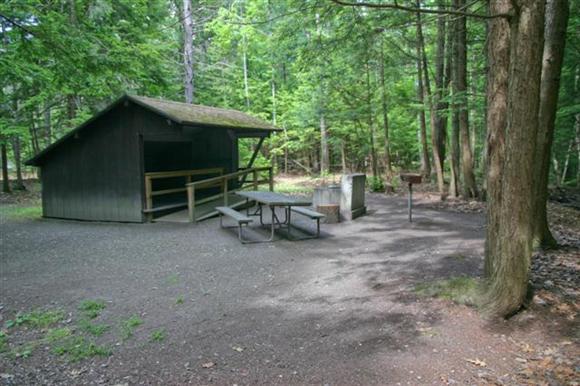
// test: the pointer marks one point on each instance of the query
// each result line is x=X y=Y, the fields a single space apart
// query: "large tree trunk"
x=425 y=162
x=187 y=20
x=439 y=147
x=469 y=187
x=439 y=118
x=509 y=234
x=454 y=138
x=555 y=38
x=5 y=178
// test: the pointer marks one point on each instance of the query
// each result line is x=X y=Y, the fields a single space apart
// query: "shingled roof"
x=189 y=114
x=181 y=113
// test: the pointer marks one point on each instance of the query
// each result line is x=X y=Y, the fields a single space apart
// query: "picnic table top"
x=276 y=199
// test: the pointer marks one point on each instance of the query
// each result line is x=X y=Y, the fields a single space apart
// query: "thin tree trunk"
x=557 y=173
x=285 y=150
x=188 y=36
x=425 y=161
x=555 y=37
x=469 y=186
x=47 y=124
x=385 y=111
x=19 y=185
x=510 y=225
x=374 y=163
x=245 y=67
x=274 y=102
x=324 y=156
x=343 y=157
x=5 y=178
x=439 y=148
x=566 y=162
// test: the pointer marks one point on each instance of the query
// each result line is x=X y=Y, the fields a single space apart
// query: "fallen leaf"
x=477 y=362
x=208 y=365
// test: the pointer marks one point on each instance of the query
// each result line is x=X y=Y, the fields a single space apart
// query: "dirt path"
x=341 y=310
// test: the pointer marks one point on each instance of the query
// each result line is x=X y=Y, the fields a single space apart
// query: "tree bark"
x=19 y=185
x=555 y=37
x=439 y=119
x=245 y=68
x=324 y=156
x=510 y=230
x=425 y=161
x=385 y=111
x=454 y=139
x=374 y=163
x=5 y=177
x=188 y=36
x=438 y=151
x=469 y=187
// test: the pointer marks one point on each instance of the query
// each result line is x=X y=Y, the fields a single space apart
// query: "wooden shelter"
x=134 y=159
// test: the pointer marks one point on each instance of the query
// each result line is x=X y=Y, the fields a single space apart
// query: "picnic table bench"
x=238 y=217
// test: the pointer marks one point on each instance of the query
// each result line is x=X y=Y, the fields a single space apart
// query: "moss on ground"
x=460 y=289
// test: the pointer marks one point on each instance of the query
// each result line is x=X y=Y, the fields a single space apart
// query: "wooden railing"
x=223 y=183
x=187 y=174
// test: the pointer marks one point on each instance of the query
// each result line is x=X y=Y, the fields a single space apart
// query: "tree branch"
x=418 y=10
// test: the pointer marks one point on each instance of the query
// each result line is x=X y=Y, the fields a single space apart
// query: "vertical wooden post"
x=255 y=178
x=191 y=203
x=225 y=191
x=271 y=178
x=148 y=197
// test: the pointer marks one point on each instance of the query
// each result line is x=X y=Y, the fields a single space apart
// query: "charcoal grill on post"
x=410 y=179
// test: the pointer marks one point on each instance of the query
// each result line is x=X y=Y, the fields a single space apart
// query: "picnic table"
x=273 y=200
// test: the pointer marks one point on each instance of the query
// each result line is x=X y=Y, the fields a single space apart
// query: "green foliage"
x=157 y=336
x=290 y=62
x=376 y=184
x=128 y=326
x=92 y=308
x=37 y=319
x=57 y=334
x=17 y=212
x=3 y=341
x=461 y=290
x=77 y=348
x=179 y=300
x=92 y=328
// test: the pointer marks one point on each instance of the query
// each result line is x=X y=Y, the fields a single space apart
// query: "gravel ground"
x=337 y=310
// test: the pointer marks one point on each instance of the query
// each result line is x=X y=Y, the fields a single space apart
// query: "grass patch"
x=92 y=308
x=128 y=326
x=157 y=336
x=16 y=212
x=172 y=279
x=3 y=342
x=24 y=351
x=292 y=188
x=37 y=319
x=180 y=300
x=57 y=334
x=77 y=348
x=92 y=328
x=461 y=290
